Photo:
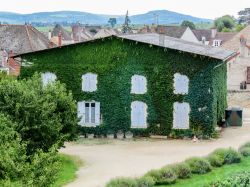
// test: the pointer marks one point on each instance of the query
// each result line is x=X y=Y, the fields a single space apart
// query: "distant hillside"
x=165 y=17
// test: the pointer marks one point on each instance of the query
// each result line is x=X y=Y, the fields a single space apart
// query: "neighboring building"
x=143 y=83
x=19 y=39
x=59 y=36
x=81 y=34
x=239 y=68
x=105 y=33
x=202 y=36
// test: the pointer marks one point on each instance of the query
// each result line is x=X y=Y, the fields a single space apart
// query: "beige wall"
x=189 y=36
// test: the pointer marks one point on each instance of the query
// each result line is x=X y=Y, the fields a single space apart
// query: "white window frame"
x=134 y=120
x=181 y=120
x=181 y=84
x=81 y=113
x=216 y=43
x=48 y=78
x=138 y=84
x=89 y=82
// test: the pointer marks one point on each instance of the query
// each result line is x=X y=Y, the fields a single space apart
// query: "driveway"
x=135 y=158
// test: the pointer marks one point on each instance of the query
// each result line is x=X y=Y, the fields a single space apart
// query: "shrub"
x=167 y=176
x=145 y=181
x=237 y=180
x=232 y=156
x=246 y=145
x=215 y=160
x=122 y=182
x=228 y=156
x=182 y=170
x=199 y=165
x=245 y=151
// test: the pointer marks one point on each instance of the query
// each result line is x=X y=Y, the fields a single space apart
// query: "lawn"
x=214 y=175
x=68 y=167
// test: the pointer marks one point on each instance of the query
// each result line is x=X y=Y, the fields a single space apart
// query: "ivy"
x=115 y=61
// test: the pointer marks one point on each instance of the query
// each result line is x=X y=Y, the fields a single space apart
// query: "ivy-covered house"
x=146 y=83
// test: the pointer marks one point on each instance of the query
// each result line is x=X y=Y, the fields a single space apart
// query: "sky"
x=199 y=8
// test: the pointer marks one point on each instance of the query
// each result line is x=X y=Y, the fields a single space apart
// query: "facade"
x=140 y=83
x=239 y=67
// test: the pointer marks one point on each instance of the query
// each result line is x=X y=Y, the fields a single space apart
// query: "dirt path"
x=134 y=158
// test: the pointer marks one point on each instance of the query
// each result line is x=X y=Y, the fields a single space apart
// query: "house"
x=144 y=83
x=18 y=39
x=239 y=67
x=59 y=36
x=81 y=34
x=202 y=36
x=105 y=32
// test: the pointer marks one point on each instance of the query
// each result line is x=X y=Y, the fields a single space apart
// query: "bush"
x=229 y=156
x=122 y=182
x=215 y=160
x=232 y=156
x=245 y=151
x=146 y=181
x=237 y=180
x=182 y=170
x=199 y=165
x=167 y=176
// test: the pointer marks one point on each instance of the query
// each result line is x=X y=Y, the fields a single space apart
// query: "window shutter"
x=97 y=113
x=81 y=112
x=138 y=115
x=93 y=82
x=181 y=115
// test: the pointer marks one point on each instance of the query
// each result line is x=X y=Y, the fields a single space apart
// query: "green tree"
x=240 y=27
x=46 y=116
x=226 y=21
x=244 y=16
x=189 y=24
x=112 y=22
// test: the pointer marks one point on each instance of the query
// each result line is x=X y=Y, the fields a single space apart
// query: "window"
x=48 y=78
x=138 y=115
x=181 y=83
x=139 y=84
x=89 y=82
x=89 y=113
x=181 y=115
x=216 y=43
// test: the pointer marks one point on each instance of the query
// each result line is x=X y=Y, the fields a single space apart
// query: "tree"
x=46 y=116
x=244 y=16
x=125 y=27
x=112 y=22
x=189 y=24
x=224 y=22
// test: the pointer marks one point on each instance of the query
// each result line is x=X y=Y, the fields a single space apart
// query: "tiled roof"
x=234 y=43
x=199 y=33
x=223 y=36
x=172 y=43
x=22 y=39
x=57 y=29
x=171 y=31
x=182 y=45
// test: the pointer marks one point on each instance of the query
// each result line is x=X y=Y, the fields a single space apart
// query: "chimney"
x=60 y=39
x=213 y=32
x=243 y=48
x=49 y=35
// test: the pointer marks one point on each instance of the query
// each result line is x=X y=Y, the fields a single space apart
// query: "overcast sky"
x=199 y=8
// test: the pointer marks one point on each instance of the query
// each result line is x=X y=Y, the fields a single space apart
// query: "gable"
x=188 y=35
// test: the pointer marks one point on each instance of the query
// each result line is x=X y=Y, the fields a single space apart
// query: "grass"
x=68 y=167
x=214 y=175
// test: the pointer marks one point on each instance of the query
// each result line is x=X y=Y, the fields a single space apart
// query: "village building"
x=239 y=67
x=203 y=36
x=81 y=34
x=59 y=36
x=144 y=83
x=19 y=39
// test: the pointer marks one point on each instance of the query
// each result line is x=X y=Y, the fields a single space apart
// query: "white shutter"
x=81 y=112
x=181 y=115
x=93 y=82
x=89 y=82
x=181 y=83
x=97 y=113
x=138 y=84
x=48 y=78
x=138 y=115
